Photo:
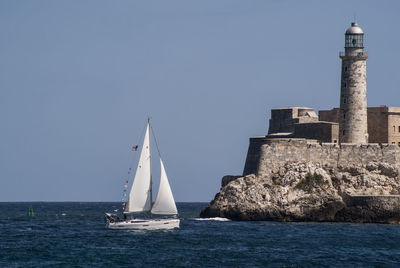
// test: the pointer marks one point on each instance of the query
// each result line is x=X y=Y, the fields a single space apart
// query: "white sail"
x=164 y=203
x=140 y=194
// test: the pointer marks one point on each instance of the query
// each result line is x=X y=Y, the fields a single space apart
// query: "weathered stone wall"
x=378 y=124
x=268 y=155
x=254 y=155
x=321 y=131
x=393 y=125
x=283 y=119
x=329 y=115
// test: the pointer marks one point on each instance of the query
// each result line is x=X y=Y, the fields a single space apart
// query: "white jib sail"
x=164 y=203
x=140 y=195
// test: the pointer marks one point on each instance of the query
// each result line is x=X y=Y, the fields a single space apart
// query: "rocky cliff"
x=367 y=191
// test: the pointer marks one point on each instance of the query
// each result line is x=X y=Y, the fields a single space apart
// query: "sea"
x=73 y=234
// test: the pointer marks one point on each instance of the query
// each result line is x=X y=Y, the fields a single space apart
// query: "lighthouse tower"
x=353 y=90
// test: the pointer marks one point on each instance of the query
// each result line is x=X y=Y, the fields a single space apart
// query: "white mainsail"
x=140 y=194
x=164 y=203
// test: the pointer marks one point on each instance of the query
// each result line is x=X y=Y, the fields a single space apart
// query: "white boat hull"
x=145 y=224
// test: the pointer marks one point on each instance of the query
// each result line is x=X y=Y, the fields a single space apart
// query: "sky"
x=78 y=80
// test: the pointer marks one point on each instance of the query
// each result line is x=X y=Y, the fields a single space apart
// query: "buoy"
x=30 y=212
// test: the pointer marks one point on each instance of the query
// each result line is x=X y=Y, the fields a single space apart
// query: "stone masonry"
x=353 y=104
x=267 y=155
x=283 y=120
x=301 y=122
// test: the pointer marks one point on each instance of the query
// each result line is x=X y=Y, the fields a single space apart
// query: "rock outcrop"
x=309 y=191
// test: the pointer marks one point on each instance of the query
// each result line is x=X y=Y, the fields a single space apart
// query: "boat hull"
x=145 y=224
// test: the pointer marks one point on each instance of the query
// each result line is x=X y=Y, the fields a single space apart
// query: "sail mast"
x=151 y=177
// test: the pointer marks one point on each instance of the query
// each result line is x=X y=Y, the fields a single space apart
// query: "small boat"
x=140 y=197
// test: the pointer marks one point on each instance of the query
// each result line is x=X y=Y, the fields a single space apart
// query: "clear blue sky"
x=79 y=78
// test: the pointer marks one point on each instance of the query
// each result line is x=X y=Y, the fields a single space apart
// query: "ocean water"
x=74 y=235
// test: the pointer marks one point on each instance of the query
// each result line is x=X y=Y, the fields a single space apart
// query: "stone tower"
x=353 y=90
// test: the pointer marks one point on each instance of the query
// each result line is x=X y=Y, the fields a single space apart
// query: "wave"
x=212 y=219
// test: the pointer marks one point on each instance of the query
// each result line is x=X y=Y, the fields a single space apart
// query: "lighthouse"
x=353 y=89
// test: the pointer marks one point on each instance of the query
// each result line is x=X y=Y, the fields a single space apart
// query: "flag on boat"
x=134 y=148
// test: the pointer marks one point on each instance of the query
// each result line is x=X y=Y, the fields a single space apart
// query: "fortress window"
x=345 y=85
x=344 y=132
x=344 y=101
x=398 y=144
x=344 y=116
x=399 y=128
x=345 y=69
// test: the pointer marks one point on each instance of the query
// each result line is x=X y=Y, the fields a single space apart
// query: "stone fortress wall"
x=266 y=155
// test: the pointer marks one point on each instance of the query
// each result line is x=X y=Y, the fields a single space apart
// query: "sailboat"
x=140 y=197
